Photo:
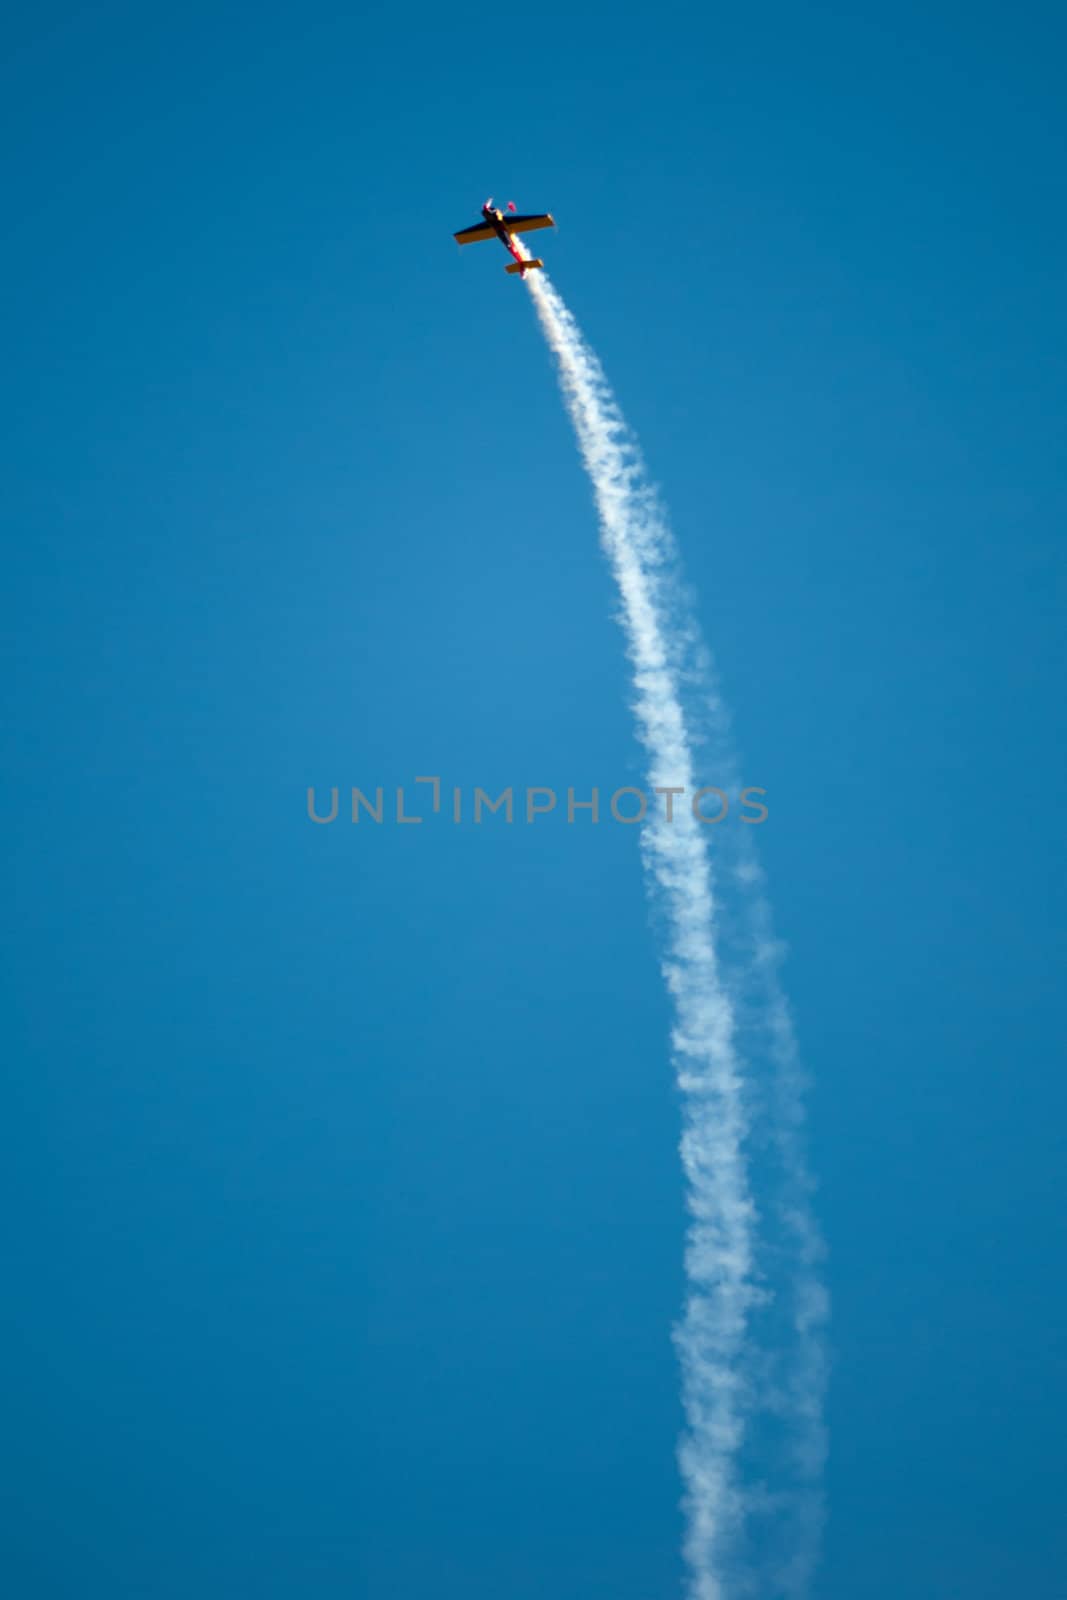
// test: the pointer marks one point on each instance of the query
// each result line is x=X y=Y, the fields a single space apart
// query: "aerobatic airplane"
x=501 y=225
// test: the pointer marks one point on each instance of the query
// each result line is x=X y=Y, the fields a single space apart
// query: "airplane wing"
x=528 y=224
x=481 y=230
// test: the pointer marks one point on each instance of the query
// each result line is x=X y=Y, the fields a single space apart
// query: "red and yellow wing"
x=528 y=224
x=481 y=230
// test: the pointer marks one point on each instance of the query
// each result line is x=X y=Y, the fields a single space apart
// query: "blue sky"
x=342 y=1203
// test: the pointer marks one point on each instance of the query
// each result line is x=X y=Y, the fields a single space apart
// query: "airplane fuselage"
x=495 y=219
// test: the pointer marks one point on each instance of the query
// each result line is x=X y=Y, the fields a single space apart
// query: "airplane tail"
x=524 y=266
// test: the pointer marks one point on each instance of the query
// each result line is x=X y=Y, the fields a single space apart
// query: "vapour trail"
x=726 y=1303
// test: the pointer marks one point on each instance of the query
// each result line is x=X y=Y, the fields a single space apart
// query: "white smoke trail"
x=726 y=1301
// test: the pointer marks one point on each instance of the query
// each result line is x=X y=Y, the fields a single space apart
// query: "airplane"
x=502 y=226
